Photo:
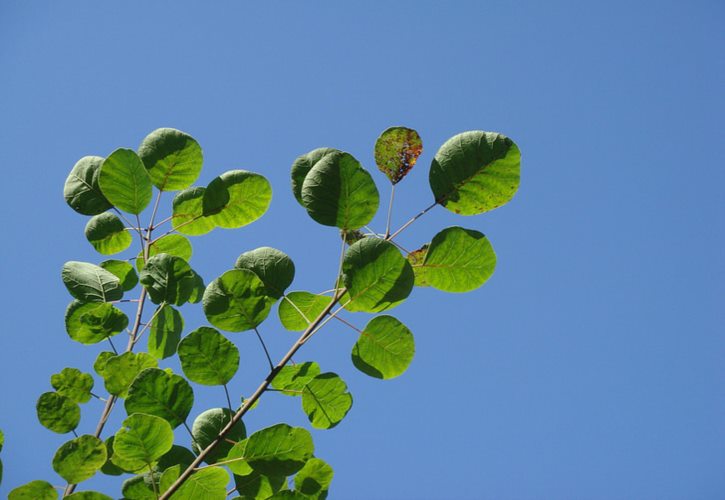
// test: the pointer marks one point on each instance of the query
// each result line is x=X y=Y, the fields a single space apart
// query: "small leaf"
x=123 y=271
x=257 y=486
x=249 y=198
x=168 y=279
x=119 y=371
x=207 y=357
x=143 y=439
x=279 y=450
x=34 y=490
x=73 y=384
x=57 y=412
x=385 y=348
x=188 y=217
x=165 y=332
x=337 y=191
x=168 y=477
x=161 y=394
x=396 y=151
x=291 y=379
x=79 y=458
x=272 y=266
x=81 y=190
x=92 y=322
x=326 y=401
x=475 y=172
x=90 y=283
x=298 y=309
x=207 y=427
x=88 y=495
x=99 y=365
x=302 y=166
x=107 y=234
x=125 y=182
x=172 y=244
x=172 y=157
x=314 y=478
x=236 y=301
x=209 y=483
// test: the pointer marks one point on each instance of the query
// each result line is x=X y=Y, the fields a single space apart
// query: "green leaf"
x=236 y=459
x=172 y=244
x=92 y=322
x=138 y=488
x=475 y=172
x=207 y=357
x=289 y=495
x=298 y=309
x=272 y=266
x=107 y=234
x=79 y=458
x=73 y=384
x=249 y=197
x=123 y=271
x=177 y=455
x=385 y=348
x=415 y=259
x=376 y=275
x=88 y=495
x=168 y=477
x=90 y=283
x=187 y=216
x=302 y=166
x=161 y=394
x=168 y=279
x=279 y=450
x=119 y=371
x=197 y=293
x=207 y=427
x=314 y=478
x=172 y=157
x=457 y=260
x=255 y=486
x=125 y=182
x=57 y=412
x=209 y=483
x=236 y=301
x=34 y=490
x=99 y=365
x=81 y=190
x=326 y=401
x=165 y=332
x=396 y=151
x=337 y=191
x=2 y=440
x=110 y=468
x=143 y=439
x=216 y=197
x=291 y=379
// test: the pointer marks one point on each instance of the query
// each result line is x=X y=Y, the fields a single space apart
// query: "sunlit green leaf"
x=172 y=244
x=88 y=495
x=249 y=197
x=81 y=190
x=298 y=309
x=79 y=458
x=385 y=348
x=57 y=412
x=139 y=488
x=123 y=271
x=73 y=384
x=207 y=357
x=255 y=486
x=172 y=157
x=165 y=332
x=273 y=267
x=475 y=172
x=34 y=490
x=279 y=450
x=396 y=151
x=207 y=427
x=337 y=191
x=169 y=476
x=90 y=283
x=110 y=468
x=168 y=279
x=187 y=216
x=92 y=322
x=291 y=379
x=125 y=182
x=107 y=233
x=289 y=495
x=209 y=483
x=302 y=165
x=143 y=439
x=236 y=301
x=119 y=371
x=326 y=401
x=161 y=394
x=314 y=478
x=236 y=459
x=99 y=365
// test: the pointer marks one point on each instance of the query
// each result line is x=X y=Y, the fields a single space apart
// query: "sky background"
x=590 y=366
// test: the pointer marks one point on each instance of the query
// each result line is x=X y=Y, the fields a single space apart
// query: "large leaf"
x=79 y=458
x=236 y=301
x=172 y=157
x=207 y=357
x=73 y=384
x=87 y=495
x=172 y=244
x=396 y=151
x=143 y=439
x=207 y=427
x=314 y=478
x=123 y=271
x=249 y=195
x=165 y=332
x=255 y=486
x=475 y=172
x=298 y=309
x=187 y=216
x=302 y=166
x=337 y=191
x=272 y=266
x=326 y=401
x=209 y=483
x=385 y=348
x=57 y=412
x=376 y=276
x=92 y=322
x=279 y=450
x=91 y=283
x=125 y=182
x=162 y=394
x=34 y=490
x=119 y=371
x=107 y=234
x=81 y=190
x=291 y=379
x=168 y=279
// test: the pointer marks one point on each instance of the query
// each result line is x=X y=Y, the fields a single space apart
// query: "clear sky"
x=592 y=364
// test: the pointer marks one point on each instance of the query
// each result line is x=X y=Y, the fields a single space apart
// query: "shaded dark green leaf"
x=90 y=283
x=173 y=158
x=255 y=486
x=272 y=266
x=123 y=271
x=314 y=478
x=81 y=190
x=107 y=233
x=207 y=427
x=165 y=332
x=302 y=165
x=168 y=279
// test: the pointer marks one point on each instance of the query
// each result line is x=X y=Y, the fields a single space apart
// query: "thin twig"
x=229 y=400
x=264 y=346
x=390 y=211
x=177 y=228
x=413 y=219
x=338 y=318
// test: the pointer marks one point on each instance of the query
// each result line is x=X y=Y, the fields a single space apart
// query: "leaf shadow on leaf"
x=401 y=288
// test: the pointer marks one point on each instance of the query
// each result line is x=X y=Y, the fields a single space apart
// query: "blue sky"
x=589 y=367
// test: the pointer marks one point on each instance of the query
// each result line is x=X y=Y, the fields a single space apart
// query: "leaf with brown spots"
x=396 y=151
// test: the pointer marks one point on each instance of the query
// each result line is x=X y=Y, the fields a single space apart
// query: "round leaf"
x=396 y=151
x=81 y=189
x=57 y=412
x=139 y=487
x=88 y=495
x=475 y=172
x=207 y=357
x=376 y=276
x=165 y=332
x=314 y=478
x=172 y=157
x=107 y=234
x=143 y=439
x=125 y=181
x=161 y=394
x=34 y=490
x=168 y=279
x=90 y=283
x=207 y=427
x=119 y=371
x=79 y=458
x=385 y=348
x=110 y=468
x=236 y=301
x=172 y=244
x=249 y=197
x=252 y=484
x=298 y=309
x=337 y=191
x=326 y=401
x=279 y=450
x=73 y=384
x=187 y=216
x=272 y=266
x=209 y=483
x=291 y=379
x=303 y=164
x=123 y=271
x=92 y=322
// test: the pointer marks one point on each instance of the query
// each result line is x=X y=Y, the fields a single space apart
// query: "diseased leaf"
x=90 y=283
x=161 y=394
x=123 y=271
x=236 y=301
x=92 y=322
x=249 y=198
x=143 y=439
x=172 y=244
x=165 y=332
x=314 y=478
x=168 y=279
x=81 y=190
x=34 y=490
x=385 y=348
x=57 y=412
x=187 y=216
x=79 y=458
x=416 y=258
x=173 y=158
x=301 y=167
x=125 y=182
x=107 y=233
x=326 y=401
x=119 y=371
x=291 y=379
x=207 y=357
x=272 y=266
x=396 y=151
x=207 y=427
x=279 y=450
x=73 y=384
x=298 y=309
